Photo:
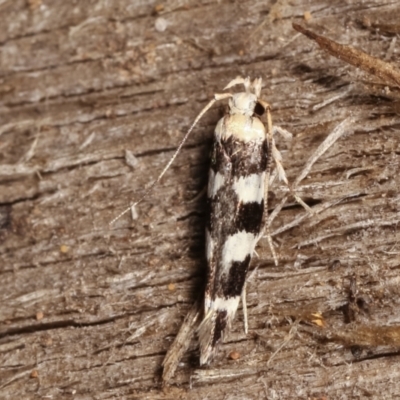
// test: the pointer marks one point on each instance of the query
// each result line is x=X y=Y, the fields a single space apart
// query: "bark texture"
x=95 y=97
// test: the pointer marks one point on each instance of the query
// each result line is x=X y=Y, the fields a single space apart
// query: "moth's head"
x=242 y=103
x=245 y=102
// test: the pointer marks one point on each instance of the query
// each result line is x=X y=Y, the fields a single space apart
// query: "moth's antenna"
x=217 y=97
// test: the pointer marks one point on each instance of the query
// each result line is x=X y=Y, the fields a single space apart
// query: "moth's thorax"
x=241 y=127
x=242 y=103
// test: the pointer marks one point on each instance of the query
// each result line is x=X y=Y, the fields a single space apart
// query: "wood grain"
x=88 y=311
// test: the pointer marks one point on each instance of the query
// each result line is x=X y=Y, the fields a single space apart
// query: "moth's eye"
x=259 y=109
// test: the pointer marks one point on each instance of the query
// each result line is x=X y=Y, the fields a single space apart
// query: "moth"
x=236 y=202
x=241 y=158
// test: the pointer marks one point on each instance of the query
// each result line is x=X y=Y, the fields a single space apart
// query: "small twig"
x=181 y=343
x=374 y=66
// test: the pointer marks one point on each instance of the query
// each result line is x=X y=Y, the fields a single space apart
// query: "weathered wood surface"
x=88 y=311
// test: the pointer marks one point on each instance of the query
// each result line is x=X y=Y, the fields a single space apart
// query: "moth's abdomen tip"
x=212 y=331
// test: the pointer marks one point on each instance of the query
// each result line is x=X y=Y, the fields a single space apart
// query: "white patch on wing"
x=219 y=129
x=230 y=305
x=237 y=247
x=211 y=179
x=215 y=182
x=207 y=304
x=209 y=245
x=250 y=188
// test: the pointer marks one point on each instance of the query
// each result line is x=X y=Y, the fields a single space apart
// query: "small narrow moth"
x=236 y=207
x=241 y=158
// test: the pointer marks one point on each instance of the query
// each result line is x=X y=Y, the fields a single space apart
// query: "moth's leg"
x=265 y=228
x=276 y=155
x=273 y=153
